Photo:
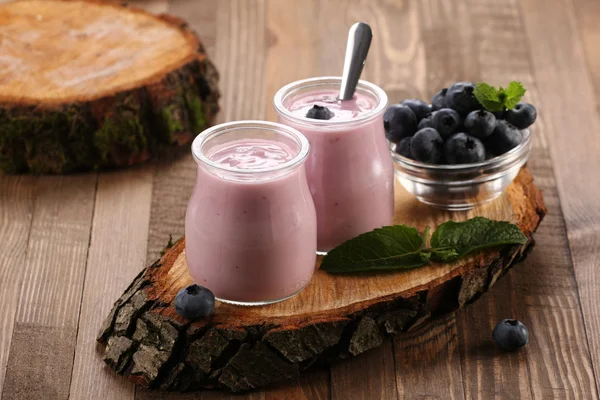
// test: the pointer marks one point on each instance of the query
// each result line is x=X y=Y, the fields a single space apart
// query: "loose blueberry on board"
x=194 y=302
x=480 y=124
x=460 y=97
x=399 y=122
x=426 y=122
x=319 y=112
x=404 y=148
x=463 y=149
x=522 y=116
x=426 y=146
x=510 y=335
x=438 y=101
x=504 y=138
x=419 y=107
x=446 y=121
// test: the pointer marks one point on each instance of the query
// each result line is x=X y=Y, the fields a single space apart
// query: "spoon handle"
x=359 y=41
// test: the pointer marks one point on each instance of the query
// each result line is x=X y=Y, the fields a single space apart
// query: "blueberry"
x=499 y=114
x=419 y=107
x=463 y=149
x=504 y=138
x=438 y=101
x=480 y=124
x=522 y=116
x=319 y=112
x=426 y=122
x=194 y=302
x=404 y=147
x=426 y=146
x=460 y=97
x=510 y=334
x=446 y=121
x=399 y=122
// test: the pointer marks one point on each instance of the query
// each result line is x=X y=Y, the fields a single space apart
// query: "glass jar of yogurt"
x=250 y=227
x=350 y=170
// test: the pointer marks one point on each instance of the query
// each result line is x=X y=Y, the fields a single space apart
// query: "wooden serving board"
x=241 y=348
x=87 y=85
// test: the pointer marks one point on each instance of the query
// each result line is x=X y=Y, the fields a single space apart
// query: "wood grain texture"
x=16 y=208
x=123 y=86
x=50 y=294
x=427 y=362
x=565 y=90
x=117 y=253
x=587 y=12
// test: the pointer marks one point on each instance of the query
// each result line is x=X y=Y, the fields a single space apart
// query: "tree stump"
x=242 y=348
x=86 y=85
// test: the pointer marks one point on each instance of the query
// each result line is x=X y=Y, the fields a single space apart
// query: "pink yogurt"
x=350 y=170
x=250 y=223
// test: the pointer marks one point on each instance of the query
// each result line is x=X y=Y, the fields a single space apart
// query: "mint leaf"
x=390 y=247
x=444 y=255
x=513 y=93
x=474 y=234
x=489 y=97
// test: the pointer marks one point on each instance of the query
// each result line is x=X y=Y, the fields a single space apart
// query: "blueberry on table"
x=419 y=107
x=404 y=148
x=319 y=112
x=522 y=116
x=461 y=97
x=446 y=121
x=438 y=101
x=480 y=124
x=399 y=122
x=510 y=335
x=504 y=138
x=426 y=146
x=194 y=302
x=463 y=149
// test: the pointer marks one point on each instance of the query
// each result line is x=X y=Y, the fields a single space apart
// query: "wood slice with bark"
x=336 y=316
x=86 y=85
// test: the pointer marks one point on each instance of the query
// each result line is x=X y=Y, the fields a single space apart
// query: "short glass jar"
x=350 y=170
x=461 y=186
x=251 y=232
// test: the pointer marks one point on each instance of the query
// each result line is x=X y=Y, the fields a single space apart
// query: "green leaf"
x=390 y=247
x=474 y=234
x=446 y=255
x=489 y=97
x=513 y=93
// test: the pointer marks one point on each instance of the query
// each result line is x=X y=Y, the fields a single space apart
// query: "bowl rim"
x=496 y=161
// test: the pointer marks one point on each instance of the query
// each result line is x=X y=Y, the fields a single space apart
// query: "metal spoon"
x=357 y=48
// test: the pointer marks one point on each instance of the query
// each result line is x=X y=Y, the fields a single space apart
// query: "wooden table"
x=69 y=245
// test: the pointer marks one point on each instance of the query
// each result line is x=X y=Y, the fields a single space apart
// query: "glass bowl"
x=462 y=186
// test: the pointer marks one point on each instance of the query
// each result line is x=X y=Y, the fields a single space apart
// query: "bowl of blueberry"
x=463 y=149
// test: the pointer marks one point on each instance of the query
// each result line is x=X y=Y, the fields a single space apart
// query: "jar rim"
x=217 y=130
x=282 y=93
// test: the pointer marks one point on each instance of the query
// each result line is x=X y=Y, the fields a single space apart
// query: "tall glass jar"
x=251 y=224
x=350 y=170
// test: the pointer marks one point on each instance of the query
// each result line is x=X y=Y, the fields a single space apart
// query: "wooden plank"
x=567 y=105
x=500 y=59
x=587 y=13
x=153 y=6
x=427 y=362
x=41 y=353
x=117 y=253
x=16 y=208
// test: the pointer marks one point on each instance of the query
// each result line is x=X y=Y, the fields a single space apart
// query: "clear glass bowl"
x=463 y=186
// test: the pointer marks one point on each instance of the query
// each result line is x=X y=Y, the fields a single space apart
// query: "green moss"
x=171 y=122
x=196 y=113
x=120 y=134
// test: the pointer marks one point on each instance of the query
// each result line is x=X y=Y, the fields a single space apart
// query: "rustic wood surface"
x=70 y=245
x=335 y=316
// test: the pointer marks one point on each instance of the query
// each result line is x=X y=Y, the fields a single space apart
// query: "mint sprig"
x=401 y=247
x=494 y=100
